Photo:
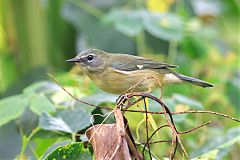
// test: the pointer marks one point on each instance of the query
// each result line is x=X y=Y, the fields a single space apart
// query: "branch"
x=187 y=112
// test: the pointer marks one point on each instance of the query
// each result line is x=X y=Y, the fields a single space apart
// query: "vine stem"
x=140 y=40
x=146 y=116
x=172 y=51
x=26 y=140
x=88 y=8
x=188 y=112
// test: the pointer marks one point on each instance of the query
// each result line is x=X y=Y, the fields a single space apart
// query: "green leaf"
x=39 y=103
x=92 y=31
x=41 y=144
x=76 y=119
x=48 y=122
x=59 y=143
x=69 y=121
x=165 y=26
x=218 y=146
x=211 y=155
x=73 y=151
x=125 y=21
x=11 y=108
x=61 y=96
x=96 y=99
x=168 y=27
x=102 y=97
x=39 y=87
x=10 y=138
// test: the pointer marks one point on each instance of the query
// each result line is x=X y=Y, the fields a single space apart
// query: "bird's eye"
x=90 y=57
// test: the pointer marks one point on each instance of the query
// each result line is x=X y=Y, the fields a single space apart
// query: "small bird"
x=116 y=73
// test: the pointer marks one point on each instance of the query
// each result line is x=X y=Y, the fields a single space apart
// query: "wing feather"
x=132 y=63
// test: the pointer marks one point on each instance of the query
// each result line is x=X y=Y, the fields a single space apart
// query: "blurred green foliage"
x=36 y=37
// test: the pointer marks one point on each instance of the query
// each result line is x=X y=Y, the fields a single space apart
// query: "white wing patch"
x=140 y=66
x=122 y=72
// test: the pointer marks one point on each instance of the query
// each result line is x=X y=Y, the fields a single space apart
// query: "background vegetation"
x=36 y=37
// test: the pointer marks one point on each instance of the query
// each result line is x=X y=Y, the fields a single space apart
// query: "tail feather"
x=195 y=81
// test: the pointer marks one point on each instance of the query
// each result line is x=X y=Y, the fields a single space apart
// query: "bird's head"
x=91 y=60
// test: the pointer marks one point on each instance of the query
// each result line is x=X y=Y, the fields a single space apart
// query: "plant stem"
x=172 y=53
x=74 y=137
x=26 y=141
x=88 y=8
x=140 y=38
x=33 y=151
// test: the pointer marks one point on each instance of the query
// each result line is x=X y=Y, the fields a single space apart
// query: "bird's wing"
x=132 y=63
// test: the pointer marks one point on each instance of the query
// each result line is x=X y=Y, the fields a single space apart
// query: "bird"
x=116 y=73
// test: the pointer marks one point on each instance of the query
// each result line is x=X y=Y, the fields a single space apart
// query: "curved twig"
x=146 y=115
x=152 y=136
x=195 y=128
x=167 y=113
x=186 y=112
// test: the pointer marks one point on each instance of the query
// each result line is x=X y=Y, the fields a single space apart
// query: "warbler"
x=116 y=73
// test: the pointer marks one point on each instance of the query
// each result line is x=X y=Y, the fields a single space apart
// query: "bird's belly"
x=122 y=81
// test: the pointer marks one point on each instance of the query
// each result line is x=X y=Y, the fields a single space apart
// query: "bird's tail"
x=194 y=81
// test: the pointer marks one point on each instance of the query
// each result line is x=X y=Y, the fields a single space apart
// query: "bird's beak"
x=73 y=60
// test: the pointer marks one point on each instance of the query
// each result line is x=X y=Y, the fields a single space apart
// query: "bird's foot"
x=122 y=99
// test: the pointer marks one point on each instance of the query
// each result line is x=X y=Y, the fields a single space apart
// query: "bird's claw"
x=122 y=99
